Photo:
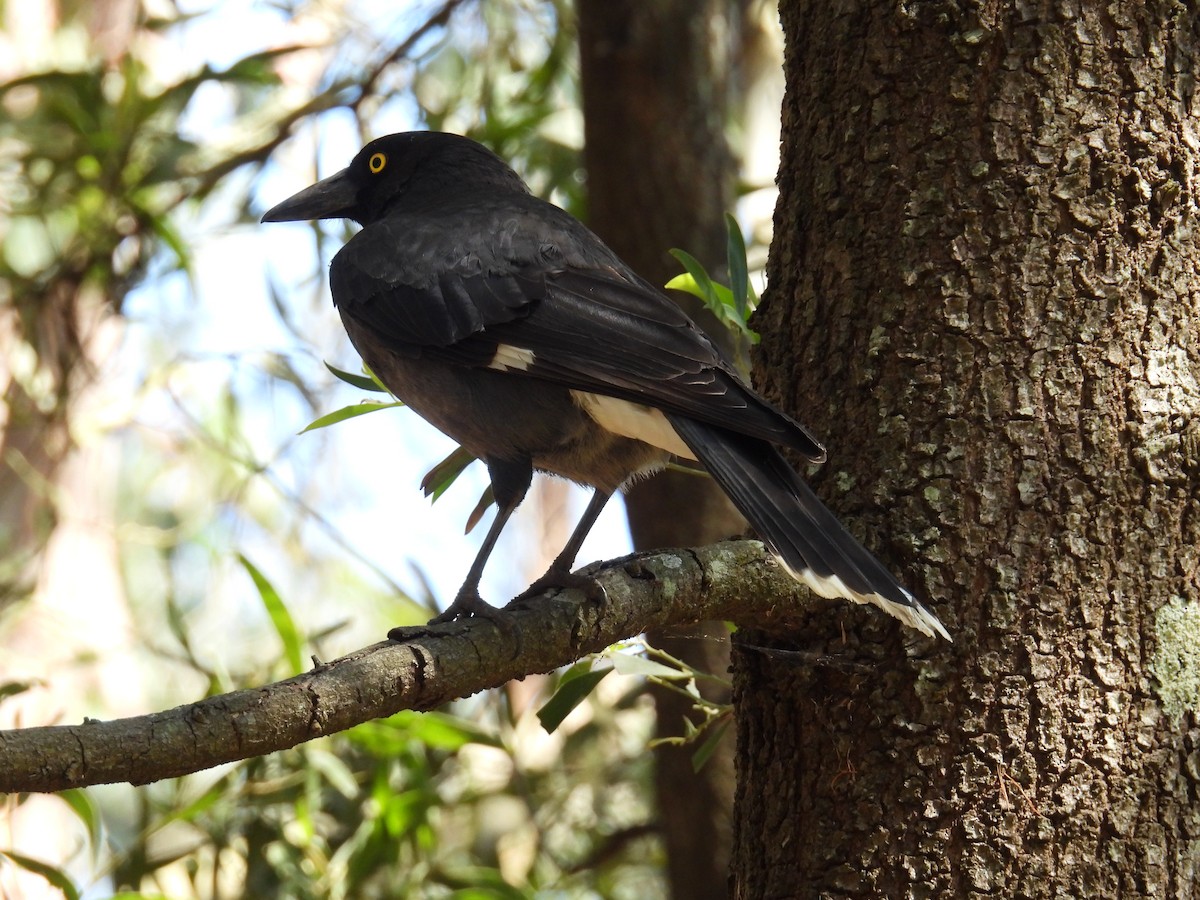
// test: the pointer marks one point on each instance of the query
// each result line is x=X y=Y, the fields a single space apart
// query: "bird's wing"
x=415 y=311
x=591 y=331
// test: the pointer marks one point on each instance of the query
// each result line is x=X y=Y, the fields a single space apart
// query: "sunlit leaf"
x=362 y=382
x=627 y=664
x=281 y=618
x=486 y=499
x=348 y=412
x=717 y=298
x=442 y=475
x=701 y=284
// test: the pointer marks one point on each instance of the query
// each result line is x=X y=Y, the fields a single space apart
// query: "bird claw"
x=467 y=605
x=402 y=634
x=562 y=579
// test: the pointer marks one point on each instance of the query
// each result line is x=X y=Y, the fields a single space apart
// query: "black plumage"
x=508 y=325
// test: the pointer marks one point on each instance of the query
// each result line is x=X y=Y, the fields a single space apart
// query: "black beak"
x=334 y=197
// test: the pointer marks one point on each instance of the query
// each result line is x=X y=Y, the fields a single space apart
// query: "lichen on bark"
x=1176 y=663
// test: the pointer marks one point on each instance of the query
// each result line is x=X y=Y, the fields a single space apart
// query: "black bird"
x=511 y=327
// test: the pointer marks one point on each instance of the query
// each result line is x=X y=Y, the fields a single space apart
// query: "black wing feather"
x=592 y=331
x=597 y=333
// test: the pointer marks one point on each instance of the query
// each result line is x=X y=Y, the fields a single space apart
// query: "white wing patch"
x=509 y=357
x=632 y=420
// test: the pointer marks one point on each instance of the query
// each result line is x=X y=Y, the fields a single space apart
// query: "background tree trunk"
x=51 y=344
x=984 y=295
x=656 y=77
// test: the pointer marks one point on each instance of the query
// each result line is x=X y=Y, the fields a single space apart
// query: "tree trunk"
x=655 y=77
x=48 y=342
x=40 y=334
x=984 y=295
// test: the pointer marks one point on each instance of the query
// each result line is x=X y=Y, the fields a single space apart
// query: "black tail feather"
x=805 y=536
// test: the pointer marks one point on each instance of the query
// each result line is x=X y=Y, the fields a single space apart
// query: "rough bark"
x=984 y=294
x=655 y=82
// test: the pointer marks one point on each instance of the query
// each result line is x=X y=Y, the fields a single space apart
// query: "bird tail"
x=805 y=537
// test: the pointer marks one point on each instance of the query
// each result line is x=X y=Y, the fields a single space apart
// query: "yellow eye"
x=377 y=162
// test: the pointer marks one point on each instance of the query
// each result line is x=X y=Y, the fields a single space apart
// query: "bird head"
x=397 y=172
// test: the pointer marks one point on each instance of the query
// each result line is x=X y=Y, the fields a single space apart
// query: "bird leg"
x=559 y=575
x=510 y=482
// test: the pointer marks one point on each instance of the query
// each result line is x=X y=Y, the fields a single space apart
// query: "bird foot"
x=467 y=605
x=561 y=579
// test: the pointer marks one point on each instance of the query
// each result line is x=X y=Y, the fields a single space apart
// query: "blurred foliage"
x=417 y=805
x=108 y=172
x=475 y=801
x=95 y=163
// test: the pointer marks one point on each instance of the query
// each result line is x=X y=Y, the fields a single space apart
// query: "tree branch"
x=734 y=581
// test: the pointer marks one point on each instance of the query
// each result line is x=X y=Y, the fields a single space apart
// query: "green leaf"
x=362 y=382
x=687 y=284
x=486 y=499
x=445 y=732
x=438 y=479
x=348 y=412
x=81 y=804
x=51 y=873
x=256 y=68
x=739 y=273
x=571 y=692
x=225 y=788
x=285 y=625
x=701 y=285
x=167 y=233
x=336 y=772
x=718 y=299
x=705 y=751
x=486 y=884
x=442 y=475
x=390 y=737
x=627 y=664
x=12 y=688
